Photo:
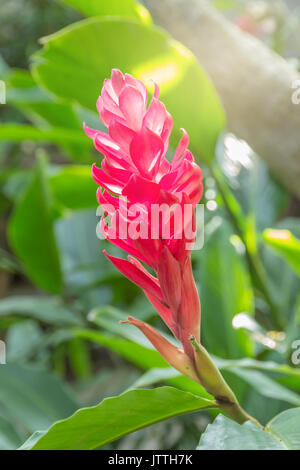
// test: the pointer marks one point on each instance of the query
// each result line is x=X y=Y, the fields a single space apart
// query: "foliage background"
x=60 y=300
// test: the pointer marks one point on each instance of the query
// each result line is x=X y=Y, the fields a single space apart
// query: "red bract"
x=150 y=206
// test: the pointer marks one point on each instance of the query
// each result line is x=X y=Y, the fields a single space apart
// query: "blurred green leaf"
x=56 y=135
x=9 y=437
x=266 y=386
x=225 y=291
x=79 y=357
x=31 y=233
x=285 y=245
x=126 y=8
x=248 y=363
x=141 y=356
x=41 y=109
x=34 y=398
x=66 y=69
x=282 y=277
x=22 y=340
x=91 y=428
x=48 y=310
x=64 y=181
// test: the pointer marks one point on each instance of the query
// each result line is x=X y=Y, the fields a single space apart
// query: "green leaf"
x=48 y=310
x=285 y=245
x=32 y=440
x=34 y=398
x=77 y=59
x=225 y=434
x=31 y=233
x=91 y=428
x=266 y=386
x=286 y=426
x=281 y=433
x=79 y=358
x=141 y=356
x=282 y=277
x=108 y=318
x=40 y=108
x=125 y=8
x=248 y=363
x=55 y=135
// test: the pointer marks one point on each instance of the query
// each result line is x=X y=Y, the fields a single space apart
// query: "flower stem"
x=212 y=380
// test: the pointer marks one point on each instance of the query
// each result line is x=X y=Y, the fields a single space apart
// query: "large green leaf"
x=91 y=428
x=125 y=8
x=76 y=60
x=285 y=245
x=34 y=398
x=282 y=433
x=31 y=233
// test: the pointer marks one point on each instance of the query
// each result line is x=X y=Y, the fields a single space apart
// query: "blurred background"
x=60 y=300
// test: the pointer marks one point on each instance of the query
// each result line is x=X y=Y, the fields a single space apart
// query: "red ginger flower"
x=135 y=169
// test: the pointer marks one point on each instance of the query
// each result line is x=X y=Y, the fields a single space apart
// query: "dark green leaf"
x=31 y=233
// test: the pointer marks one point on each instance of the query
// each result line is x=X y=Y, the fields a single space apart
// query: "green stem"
x=256 y=268
x=212 y=380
